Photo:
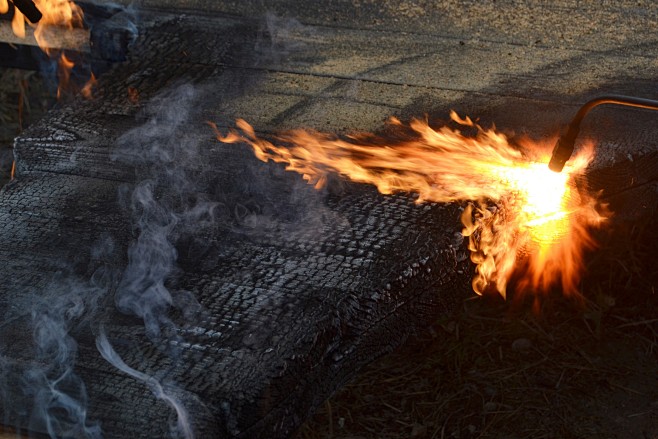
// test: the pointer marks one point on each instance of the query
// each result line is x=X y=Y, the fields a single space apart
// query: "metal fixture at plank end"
x=565 y=144
x=29 y=9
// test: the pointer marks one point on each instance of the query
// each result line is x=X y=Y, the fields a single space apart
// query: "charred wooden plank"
x=249 y=357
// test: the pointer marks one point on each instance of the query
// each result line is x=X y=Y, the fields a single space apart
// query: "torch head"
x=561 y=153
x=563 y=149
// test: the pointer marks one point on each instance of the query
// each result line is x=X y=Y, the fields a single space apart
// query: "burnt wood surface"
x=279 y=293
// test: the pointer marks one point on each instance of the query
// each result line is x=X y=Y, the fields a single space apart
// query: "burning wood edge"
x=59 y=38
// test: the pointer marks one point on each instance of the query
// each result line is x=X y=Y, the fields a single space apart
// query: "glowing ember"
x=522 y=216
x=56 y=15
x=133 y=95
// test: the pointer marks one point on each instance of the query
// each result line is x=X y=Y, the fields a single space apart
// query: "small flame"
x=520 y=214
x=64 y=67
x=62 y=14
x=87 y=89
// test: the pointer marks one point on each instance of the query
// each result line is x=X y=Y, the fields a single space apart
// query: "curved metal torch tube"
x=29 y=9
x=565 y=144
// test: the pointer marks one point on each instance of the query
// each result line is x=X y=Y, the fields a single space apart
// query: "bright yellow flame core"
x=545 y=196
x=520 y=214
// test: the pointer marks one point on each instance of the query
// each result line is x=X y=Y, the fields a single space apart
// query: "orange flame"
x=56 y=14
x=64 y=67
x=519 y=210
x=87 y=89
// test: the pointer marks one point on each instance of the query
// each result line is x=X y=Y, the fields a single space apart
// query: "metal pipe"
x=565 y=144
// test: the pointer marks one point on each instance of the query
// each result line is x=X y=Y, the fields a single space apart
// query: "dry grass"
x=584 y=369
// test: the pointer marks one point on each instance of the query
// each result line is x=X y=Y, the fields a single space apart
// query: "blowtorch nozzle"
x=29 y=9
x=565 y=144
x=563 y=150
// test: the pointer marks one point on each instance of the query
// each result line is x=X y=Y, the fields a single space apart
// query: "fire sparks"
x=520 y=216
x=57 y=15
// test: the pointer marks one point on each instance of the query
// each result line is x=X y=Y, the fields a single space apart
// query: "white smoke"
x=59 y=398
x=183 y=422
x=163 y=205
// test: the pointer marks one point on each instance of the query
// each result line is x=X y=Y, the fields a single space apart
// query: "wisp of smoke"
x=163 y=204
x=58 y=394
x=157 y=204
x=106 y=350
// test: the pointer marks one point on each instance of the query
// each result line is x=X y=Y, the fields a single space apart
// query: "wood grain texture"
x=279 y=293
